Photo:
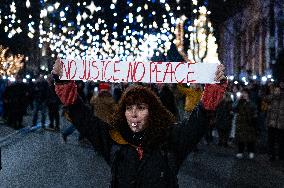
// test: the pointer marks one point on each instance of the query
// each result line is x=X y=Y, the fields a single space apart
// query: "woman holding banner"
x=142 y=144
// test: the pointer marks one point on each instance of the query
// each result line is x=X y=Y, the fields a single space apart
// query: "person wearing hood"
x=275 y=112
x=246 y=125
x=142 y=143
x=275 y=123
x=103 y=105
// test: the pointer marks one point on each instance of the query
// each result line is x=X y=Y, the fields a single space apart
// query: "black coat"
x=158 y=167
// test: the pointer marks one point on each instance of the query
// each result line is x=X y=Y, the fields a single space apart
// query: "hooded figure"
x=142 y=143
x=103 y=104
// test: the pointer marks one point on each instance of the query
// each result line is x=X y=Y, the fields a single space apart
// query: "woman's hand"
x=57 y=68
x=219 y=74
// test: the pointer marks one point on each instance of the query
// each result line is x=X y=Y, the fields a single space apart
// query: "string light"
x=28 y=4
x=90 y=36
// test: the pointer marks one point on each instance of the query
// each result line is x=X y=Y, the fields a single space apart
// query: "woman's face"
x=137 y=116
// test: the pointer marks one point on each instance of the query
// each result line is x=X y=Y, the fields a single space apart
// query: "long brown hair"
x=159 y=117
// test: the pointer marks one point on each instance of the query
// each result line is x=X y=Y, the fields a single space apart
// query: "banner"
x=148 y=72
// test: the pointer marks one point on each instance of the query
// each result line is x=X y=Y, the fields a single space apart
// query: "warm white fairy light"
x=112 y=6
x=92 y=7
x=28 y=4
x=96 y=39
x=13 y=7
x=50 y=8
x=194 y=2
x=43 y=13
x=56 y=5
x=85 y=16
x=146 y=6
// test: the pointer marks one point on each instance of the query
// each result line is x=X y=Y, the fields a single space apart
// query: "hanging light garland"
x=82 y=31
x=103 y=42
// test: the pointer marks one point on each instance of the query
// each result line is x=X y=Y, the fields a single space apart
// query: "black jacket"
x=158 y=167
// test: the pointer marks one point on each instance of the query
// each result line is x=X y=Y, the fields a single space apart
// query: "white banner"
x=148 y=72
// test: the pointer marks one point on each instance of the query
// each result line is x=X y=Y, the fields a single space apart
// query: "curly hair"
x=159 y=117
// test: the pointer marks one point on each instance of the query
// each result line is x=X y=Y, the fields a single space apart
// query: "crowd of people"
x=257 y=117
x=20 y=98
x=249 y=116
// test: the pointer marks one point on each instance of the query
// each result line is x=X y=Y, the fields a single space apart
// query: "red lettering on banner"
x=151 y=70
x=171 y=72
x=190 y=72
x=115 y=70
x=98 y=72
x=135 y=71
x=106 y=71
x=181 y=63
x=89 y=68
x=103 y=73
x=86 y=70
x=130 y=72
x=68 y=71
x=157 y=71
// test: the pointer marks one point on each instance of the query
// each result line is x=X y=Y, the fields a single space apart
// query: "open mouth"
x=134 y=124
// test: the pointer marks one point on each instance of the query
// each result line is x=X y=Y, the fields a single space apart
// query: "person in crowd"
x=246 y=125
x=192 y=96
x=6 y=105
x=53 y=104
x=40 y=98
x=275 y=114
x=116 y=92
x=275 y=123
x=15 y=98
x=71 y=128
x=224 y=116
x=81 y=90
x=179 y=100
x=262 y=114
x=118 y=89
x=142 y=144
x=168 y=100
x=235 y=98
x=209 y=138
x=103 y=104
x=89 y=91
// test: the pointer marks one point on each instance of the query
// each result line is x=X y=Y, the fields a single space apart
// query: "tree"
x=202 y=43
x=10 y=65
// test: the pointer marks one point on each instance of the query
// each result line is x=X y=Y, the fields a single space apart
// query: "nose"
x=134 y=112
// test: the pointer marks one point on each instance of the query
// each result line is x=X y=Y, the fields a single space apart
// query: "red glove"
x=67 y=92
x=213 y=94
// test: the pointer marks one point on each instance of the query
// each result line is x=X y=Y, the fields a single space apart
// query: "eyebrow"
x=144 y=104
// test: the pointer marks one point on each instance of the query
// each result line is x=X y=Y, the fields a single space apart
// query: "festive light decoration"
x=9 y=64
x=102 y=42
x=83 y=30
x=202 y=43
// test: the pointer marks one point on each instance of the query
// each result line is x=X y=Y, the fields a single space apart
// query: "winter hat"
x=104 y=87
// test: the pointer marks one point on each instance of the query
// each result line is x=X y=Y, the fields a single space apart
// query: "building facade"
x=251 y=39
